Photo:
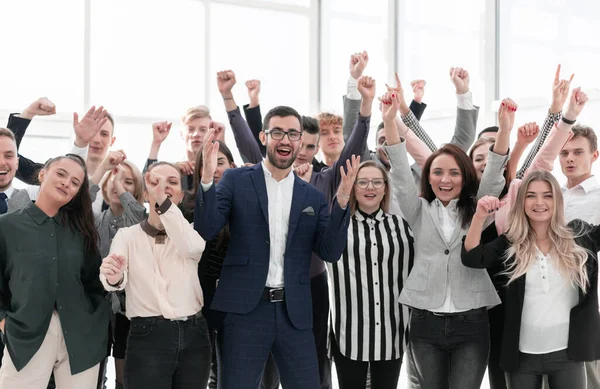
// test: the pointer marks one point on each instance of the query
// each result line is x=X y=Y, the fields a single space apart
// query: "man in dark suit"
x=276 y=221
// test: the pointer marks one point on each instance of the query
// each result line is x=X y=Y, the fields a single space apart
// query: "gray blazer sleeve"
x=492 y=180
x=403 y=181
x=466 y=126
x=244 y=139
x=351 y=113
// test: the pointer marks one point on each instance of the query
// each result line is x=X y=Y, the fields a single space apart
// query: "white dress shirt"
x=448 y=217
x=279 y=194
x=581 y=201
x=549 y=298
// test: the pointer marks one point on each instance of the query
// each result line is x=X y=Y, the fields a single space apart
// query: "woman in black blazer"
x=551 y=302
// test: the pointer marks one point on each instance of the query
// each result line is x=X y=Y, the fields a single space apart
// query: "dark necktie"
x=3 y=204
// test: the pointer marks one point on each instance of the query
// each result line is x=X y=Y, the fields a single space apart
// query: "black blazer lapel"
x=258 y=178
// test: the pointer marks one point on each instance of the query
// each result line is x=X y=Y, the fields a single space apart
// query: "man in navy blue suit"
x=276 y=220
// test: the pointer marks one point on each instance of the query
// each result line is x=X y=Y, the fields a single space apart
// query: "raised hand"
x=527 y=133
x=113 y=159
x=576 y=104
x=40 y=107
x=160 y=131
x=113 y=268
x=461 y=80
x=418 y=87
x=304 y=171
x=219 y=130
x=186 y=167
x=156 y=185
x=560 y=91
x=253 y=87
x=506 y=115
x=225 y=82
x=390 y=104
x=488 y=205
x=358 y=63
x=347 y=182
x=210 y=154
x=88 y=127
x=366 y=87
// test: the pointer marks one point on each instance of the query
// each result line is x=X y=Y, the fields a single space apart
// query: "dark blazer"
x=584 y=336
x=241 y=199
x=27 y=171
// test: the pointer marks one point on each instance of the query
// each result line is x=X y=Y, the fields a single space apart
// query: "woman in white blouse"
x=156 y=262
x=551 y=302
x=368 y=325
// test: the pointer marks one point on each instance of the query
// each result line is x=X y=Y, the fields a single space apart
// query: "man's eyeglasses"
x=293 y=135
x=377 y=183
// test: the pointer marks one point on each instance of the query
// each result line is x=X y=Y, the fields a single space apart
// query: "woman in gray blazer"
x=449 y=335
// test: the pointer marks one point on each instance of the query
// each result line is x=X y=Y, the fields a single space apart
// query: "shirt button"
x=375 y=264
x=54 y=258
x=51 y=234
x=60 y=307
x=377 y=323
x=447 y=252
x=374 y=244
x=377 y=283
x=267 y=242
x=65 y=332
x=377 y=303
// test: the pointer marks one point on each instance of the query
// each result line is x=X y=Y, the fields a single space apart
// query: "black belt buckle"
x=276 y=295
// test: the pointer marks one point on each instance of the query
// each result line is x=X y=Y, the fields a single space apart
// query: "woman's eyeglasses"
x=377 y=183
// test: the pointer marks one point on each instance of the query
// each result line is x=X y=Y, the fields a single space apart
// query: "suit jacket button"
x=267 y=242
x=447 y=252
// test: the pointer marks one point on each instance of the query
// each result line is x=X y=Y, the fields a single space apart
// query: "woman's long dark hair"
x=189 y=201
x=467 y=200
x=77 y=214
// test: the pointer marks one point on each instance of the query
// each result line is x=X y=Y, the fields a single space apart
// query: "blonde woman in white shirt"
x=156 y=263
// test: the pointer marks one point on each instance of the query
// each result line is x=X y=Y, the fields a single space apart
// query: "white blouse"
x=549 y=298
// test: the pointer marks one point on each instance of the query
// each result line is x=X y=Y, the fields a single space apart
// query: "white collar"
x=268 y=173
x=587 y=185
x=9 y=192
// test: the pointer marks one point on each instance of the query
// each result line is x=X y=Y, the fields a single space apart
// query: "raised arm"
x=560 y=91
x=466 y=112
x=401 y=175
x=417 y=107
x=358 y=63
x=212 y=206
x=253 y=115
x=328 y=180
x=188 y=243
x=160 y=132
x=244 y=139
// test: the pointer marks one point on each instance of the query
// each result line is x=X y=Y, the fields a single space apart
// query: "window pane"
x=359 y=7
x=42 y=53
x=268 y=45
x=149 y=64
x=434 y=43
x=300 y=3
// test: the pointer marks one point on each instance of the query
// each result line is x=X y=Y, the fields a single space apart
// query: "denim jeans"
x=562 y=372
x=165 y=354
x=450 y=350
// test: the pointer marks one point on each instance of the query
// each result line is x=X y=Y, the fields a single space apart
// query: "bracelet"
x=118 y=283
x=343 y=197
x=227 y=98
x=571 y=122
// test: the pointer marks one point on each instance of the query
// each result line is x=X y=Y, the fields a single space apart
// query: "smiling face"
x=61 y=181
x=576 y=159
x=9 y=162
x=332 y=140
x=480 y=157
x=369 y=189
x=98 y=147
x=310 y=147
x=445 y=178
x=282 y=153
x=173 y=188
x=539 y=202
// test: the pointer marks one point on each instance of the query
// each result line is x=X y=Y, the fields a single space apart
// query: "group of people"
x=200 y=272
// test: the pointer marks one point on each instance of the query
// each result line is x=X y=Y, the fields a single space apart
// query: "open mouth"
x=283 y=151
x=4 y=172
x=540 y=210
x=570 y=168
x=445 y=189
x=370 y=196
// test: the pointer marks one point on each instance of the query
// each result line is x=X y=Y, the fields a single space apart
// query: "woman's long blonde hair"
x=570 y=258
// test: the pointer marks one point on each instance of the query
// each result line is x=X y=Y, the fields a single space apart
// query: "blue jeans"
x=165 y=354
x=450 y=350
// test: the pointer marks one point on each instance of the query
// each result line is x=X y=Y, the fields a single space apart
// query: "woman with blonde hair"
x=551 y=302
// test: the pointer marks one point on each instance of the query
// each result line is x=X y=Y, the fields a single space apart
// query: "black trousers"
x=562 y=372
x=353 y=374
x=320 y=303
x=496 y=375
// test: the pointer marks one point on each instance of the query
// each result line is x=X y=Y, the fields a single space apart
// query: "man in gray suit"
x=11 y=199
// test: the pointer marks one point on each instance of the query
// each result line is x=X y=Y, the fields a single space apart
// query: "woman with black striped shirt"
x=368 y=325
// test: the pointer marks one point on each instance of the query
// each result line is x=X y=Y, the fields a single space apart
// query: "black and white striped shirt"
x=365 y=284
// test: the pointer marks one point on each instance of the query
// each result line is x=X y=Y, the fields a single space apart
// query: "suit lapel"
x=438 y=226
x=258 y=178
x=296 y=210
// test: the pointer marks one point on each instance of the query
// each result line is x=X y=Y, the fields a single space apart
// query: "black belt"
x=274 y=295
x=182 y=318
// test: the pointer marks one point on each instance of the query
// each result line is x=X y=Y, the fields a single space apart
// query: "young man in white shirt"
x=582 y=196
